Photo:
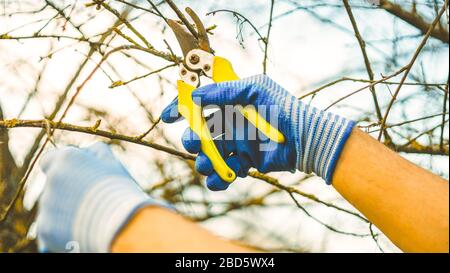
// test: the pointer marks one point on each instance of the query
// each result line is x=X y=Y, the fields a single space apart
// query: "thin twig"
x=274 y=182
x=375 y=237
x=182 y=18
x=120 y=83
x=239 y=16
x=157 y=10
x=266 y=39
x=362 y=45
x=140 y=137
x=441 y=142
x=322 y=223
x=367 y=86
x=405 y=122
x=413 y=140
x=343 y=79
x=123 y=19
x=410 y=65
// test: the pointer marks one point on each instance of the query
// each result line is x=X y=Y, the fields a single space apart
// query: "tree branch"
x=410 y=65
x=415 y=20
x=7 y=164
x=92 y=130
x=13 y=123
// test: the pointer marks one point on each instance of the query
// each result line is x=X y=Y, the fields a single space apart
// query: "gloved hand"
x=88 y=197
x=314 y=139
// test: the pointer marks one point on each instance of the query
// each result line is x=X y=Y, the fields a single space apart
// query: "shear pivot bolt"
x=194 y=59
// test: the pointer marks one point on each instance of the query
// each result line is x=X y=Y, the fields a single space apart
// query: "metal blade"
x=203 y=40
x=185 y=39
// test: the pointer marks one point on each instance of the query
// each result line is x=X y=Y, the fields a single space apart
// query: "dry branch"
x=414 y=19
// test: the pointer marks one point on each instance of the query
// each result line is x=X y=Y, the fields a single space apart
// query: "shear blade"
x=186 y=40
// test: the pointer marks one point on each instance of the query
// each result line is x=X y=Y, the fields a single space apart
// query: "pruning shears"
x=199 y=60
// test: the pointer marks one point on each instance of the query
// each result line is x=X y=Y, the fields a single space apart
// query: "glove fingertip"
x=104 y=152
x=46 y=160
x=51 y=156
x=237 y=166
x=191 y=141
x=215 y=183
x=101 y=150
x=203 y=165
x=170 y=114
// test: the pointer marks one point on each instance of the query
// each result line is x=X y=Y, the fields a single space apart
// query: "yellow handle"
x=194 y=115
x=223 y=71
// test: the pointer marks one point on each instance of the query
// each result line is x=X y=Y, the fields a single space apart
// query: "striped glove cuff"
x=105 y=210
x=320 y=139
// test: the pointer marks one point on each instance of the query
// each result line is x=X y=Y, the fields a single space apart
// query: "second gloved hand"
x=88 y=198
x=314 y=139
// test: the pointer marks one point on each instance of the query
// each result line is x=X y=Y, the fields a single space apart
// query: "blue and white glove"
x=88 y=197
x=314 y=138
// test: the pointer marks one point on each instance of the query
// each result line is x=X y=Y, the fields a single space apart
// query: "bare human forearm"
x=409 y=204
x=155 y=229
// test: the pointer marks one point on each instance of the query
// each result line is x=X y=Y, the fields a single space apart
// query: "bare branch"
x=414 y=19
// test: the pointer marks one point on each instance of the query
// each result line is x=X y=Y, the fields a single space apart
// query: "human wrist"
x=320 y=138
